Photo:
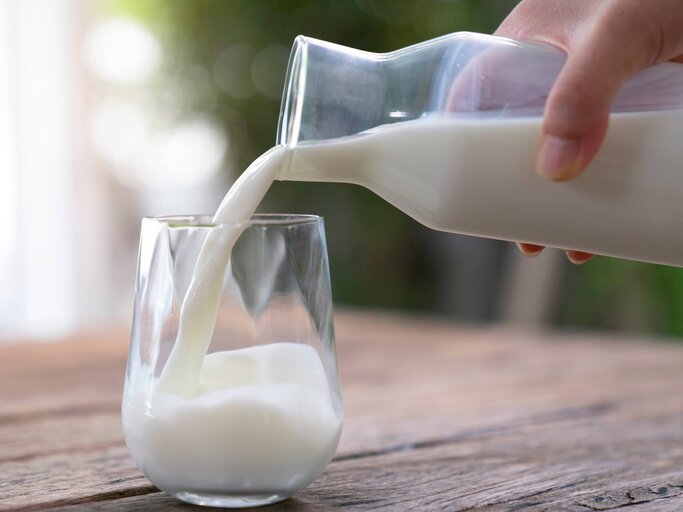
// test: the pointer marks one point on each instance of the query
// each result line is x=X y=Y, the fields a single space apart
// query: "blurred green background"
x=228 y=58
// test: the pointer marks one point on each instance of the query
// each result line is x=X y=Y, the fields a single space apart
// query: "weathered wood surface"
x=438 y=417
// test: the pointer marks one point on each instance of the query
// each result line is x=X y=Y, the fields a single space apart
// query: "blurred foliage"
x=623 y=295
x=378 y=255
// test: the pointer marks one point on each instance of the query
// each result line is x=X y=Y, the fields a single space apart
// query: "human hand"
x=607 y=42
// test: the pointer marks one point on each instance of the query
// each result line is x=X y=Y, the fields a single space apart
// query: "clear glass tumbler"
x=265 y=412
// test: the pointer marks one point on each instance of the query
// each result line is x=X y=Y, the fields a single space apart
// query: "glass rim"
x=256 y=220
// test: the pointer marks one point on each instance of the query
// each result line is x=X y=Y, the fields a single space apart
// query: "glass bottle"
x=447 y=131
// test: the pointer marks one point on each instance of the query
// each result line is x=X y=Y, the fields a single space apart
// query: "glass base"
x=229 y=501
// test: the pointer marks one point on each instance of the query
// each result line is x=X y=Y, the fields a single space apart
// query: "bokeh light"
x=122 y=51
x=268 y=70
x=231 y=72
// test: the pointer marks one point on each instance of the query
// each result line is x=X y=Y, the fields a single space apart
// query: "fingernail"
x=558 y=158
x=530 y=249
x=578 y=257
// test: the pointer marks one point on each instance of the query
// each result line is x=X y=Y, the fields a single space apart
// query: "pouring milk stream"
x=389 y=123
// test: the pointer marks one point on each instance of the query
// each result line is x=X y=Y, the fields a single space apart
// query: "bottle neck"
x=331 y=91
x=325 y=161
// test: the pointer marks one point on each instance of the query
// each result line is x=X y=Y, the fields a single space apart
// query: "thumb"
x=611 y=49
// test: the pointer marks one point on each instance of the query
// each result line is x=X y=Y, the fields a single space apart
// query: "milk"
x=261 y=423
x=476 y=176
x=258 y=422
x=242 y=420
x=200 y=306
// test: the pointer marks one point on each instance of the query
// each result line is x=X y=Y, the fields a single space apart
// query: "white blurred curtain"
x=47 y=260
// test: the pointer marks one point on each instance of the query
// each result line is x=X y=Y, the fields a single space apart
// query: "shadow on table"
x=159 y=501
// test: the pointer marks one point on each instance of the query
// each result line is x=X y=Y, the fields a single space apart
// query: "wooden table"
x=438 y=417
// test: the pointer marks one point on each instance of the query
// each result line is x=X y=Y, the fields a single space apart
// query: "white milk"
x=262 y=423
x=200 y=306
x=477 y=177
x=250 y=422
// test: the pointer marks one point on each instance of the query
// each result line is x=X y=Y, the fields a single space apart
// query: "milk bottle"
x=447 y=131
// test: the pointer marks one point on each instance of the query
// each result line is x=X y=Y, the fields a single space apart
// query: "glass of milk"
x=241 y=406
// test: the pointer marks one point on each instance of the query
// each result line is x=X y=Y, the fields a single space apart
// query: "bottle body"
x=478 y=178
x=466 y=163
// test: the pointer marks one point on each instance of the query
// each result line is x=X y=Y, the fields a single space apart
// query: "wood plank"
x=499 y=471
x=437 y=417
x=420 y=415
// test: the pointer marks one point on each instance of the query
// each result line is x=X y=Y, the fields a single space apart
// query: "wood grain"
x=438 y=417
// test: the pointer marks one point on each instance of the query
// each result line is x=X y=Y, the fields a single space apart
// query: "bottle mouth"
x=289 y=124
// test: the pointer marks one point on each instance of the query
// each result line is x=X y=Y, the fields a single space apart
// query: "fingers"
x=607 y=42
x=549 y=21
x=577 y=111
x=503 y=78
x=623 y=37
x=530 y=249
x=576 y=257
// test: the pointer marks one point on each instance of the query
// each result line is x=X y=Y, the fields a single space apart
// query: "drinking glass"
x=264 y=417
